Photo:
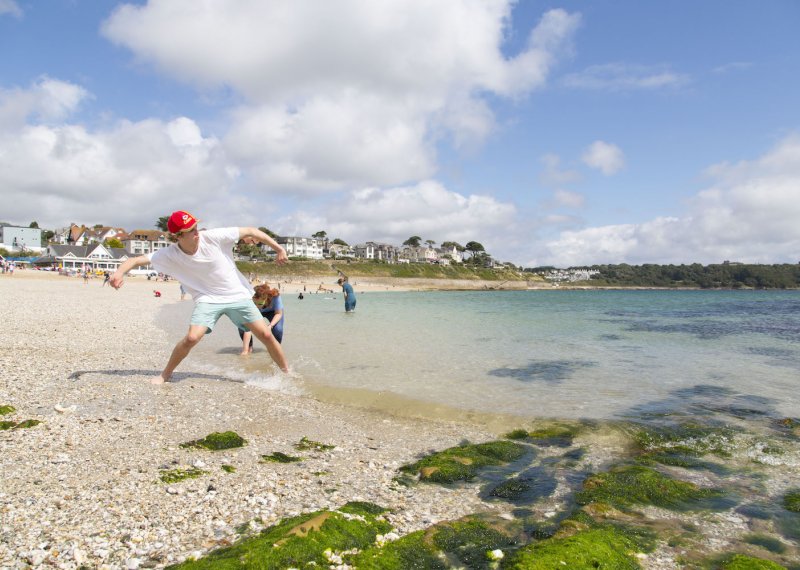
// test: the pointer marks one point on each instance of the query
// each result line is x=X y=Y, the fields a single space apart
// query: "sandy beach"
x=82 y=488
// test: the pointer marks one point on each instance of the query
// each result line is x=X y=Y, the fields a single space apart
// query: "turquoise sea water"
x=568 y=354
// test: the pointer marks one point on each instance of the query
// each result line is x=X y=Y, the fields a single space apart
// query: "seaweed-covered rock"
x=601 y=547
x=312 y=539
x=7 y=409
x=744 y=562
x=306 y=444
x=636 y=484
x=178 y=475
x=462 y=462
x=279 y=457
x=459 y=544
x=791 y=501
x=217 y=441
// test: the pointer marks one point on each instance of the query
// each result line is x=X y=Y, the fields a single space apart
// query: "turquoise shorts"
x=240 y=312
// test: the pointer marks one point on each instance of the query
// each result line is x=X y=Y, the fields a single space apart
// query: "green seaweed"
x=278 y=457
x=26 y=424
x=791 y=501
x=744 y=562
x=306 y=540
x=306 y=444
x=688 y=439
x=363 y=508
x=459 y=544
x=764 y=541
x=636 y=484
x=5 y=424
x=461 y=463
x=7 y=409
x=601 y=547
x=517 y=434
x=217 y=441
x=470 y=540
x=511 y=489
x=559 y=434
x=411 y=551
x=178 y=475
x=228 y=468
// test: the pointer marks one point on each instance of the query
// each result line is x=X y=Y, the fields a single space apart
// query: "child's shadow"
x=176 y=377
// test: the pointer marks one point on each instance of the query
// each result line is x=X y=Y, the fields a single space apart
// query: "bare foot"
x=244 y=353
x=157 y=379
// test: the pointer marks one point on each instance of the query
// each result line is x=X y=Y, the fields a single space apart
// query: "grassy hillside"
x=368 y=269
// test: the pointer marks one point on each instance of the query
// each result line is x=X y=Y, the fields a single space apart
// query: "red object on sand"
x=157 y=293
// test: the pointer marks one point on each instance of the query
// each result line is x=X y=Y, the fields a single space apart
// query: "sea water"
x=570 y=354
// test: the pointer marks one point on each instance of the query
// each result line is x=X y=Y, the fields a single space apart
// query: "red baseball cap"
x=180 y=221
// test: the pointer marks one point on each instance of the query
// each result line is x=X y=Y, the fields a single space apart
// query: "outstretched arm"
x=119 y=275
x=261 y=237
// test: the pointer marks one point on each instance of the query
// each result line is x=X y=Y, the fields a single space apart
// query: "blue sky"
x=554 y=133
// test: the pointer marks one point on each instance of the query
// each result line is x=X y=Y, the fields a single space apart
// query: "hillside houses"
x=145 y=241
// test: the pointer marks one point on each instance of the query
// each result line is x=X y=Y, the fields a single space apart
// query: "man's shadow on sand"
x=176 y=377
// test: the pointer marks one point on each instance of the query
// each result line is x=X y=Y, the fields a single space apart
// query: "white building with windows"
x=95 y=257
x=307 y=247
x=141 y=242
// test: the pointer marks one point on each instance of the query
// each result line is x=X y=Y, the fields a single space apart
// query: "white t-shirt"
x=210 y=275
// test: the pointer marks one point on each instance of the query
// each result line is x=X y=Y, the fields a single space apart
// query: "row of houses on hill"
x=80 y=247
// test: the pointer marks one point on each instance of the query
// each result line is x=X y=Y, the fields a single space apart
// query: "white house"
x=92 y=257
x=308 y=247
x=140 y=242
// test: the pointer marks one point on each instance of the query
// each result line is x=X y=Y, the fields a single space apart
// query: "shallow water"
x=567 y=354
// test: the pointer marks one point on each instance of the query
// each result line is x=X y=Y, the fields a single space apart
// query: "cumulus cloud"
x=10 y=7
x=356 y=92
x=748 y=214
x=426 y=209
x=47 y=100
x=143 y=168
x=624 y=77
x=606 y=157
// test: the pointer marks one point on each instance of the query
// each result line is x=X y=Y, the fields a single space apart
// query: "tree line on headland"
x=715 y=276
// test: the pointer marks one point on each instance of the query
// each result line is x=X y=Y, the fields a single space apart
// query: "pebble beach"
x=82 y=488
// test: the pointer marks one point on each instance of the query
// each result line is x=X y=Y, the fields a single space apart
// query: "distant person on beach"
x=349 y=295
x=203 y=262
x=270 y=305
x=183 y=291
x=106 y=278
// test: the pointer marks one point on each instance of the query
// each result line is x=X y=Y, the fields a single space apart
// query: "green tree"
x=270 y=233
x=162 y=223
x=113 y=242
x=452 y=244
x=413 y=241
x=34 y=225
x=47 y=235
x=474 y=248
x=430 y=242
x=341 y=242
x=320 y=234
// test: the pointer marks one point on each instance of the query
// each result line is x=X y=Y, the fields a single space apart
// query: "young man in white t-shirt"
x=203 y=263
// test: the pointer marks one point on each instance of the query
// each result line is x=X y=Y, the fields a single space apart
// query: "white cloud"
x=426 y=209
x=122 y=175
x=623 y=77
x=47 y=100
x=354 y=92
x=608 y=158
x=553 y=174
x=10 y=7
x=569 y=199
x=749 y=214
